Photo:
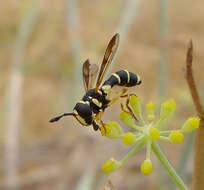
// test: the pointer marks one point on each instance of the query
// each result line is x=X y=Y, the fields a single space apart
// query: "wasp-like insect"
x=89 y=110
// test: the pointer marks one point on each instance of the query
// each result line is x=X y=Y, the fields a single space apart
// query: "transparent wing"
x=89 y=74
x=107 y=59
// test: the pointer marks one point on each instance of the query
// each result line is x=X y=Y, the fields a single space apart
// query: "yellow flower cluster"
x=147 y=133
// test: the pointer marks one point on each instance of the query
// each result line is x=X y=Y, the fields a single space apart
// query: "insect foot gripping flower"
x=112 y=130
x=147 y=133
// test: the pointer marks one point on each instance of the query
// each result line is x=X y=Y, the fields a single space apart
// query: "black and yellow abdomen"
x=122 y=78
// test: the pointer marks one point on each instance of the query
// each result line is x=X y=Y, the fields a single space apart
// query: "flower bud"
x=176 y=136
x=154 y=133
x=112 y=130
x=111 y=165
x=146 y=167
x=129 y=139
x=135 y=104
x=127 y=118
x=167 y=108
x=150 y=108
x=191 y=124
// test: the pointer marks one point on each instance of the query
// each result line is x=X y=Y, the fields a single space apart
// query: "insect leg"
x=95 y=126
x=60 y=116
x=117 y=97
x=123 y=108
x=98 y=118
x=103 y=126
x=129 y=110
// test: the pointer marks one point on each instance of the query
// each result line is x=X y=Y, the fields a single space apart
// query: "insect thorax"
x=98 y=100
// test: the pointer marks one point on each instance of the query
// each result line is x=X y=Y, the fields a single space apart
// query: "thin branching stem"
x=198 y=176
x=191 y=81
x=160 y=155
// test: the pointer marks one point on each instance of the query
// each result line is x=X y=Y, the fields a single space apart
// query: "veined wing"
x=107 y=59
x=89 y=74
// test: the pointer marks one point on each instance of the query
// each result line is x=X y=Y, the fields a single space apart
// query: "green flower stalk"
x=146 y=134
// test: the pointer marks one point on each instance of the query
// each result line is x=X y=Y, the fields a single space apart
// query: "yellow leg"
x=98 y=116
x=95 y=126
x=102 y=125
x=117 y=97
x=129 y=110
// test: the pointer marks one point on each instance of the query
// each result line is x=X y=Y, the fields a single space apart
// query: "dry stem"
x=198 y=176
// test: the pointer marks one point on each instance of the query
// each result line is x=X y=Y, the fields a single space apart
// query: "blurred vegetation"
x=59 y=156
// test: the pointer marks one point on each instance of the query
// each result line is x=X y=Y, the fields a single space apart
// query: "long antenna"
x=60 y=116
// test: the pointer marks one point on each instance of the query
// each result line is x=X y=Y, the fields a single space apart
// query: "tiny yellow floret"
x=129 y=139
x=167 y=108
x=110 y=165
x=134 y=99
x=146 y=167
x=176 y=136
x=127 y=118
x=112 y=130
x=135 y=104
x=150 y=117
x=191 y=124
x=150 y=108
x=150 y=105
x=154 y=133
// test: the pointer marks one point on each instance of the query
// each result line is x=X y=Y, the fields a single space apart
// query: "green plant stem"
x=165 y=132
x=159 y=123
x=132 y=152
x=184 y=159
x=177 y=180
x=136 y=127
x=141 y=119
x=148 y=149
x=164 y=139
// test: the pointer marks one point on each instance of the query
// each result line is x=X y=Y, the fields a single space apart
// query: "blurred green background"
x=42 y=47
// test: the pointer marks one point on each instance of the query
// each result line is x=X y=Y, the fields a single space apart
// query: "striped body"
x=123 y=78
x=95 y=102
